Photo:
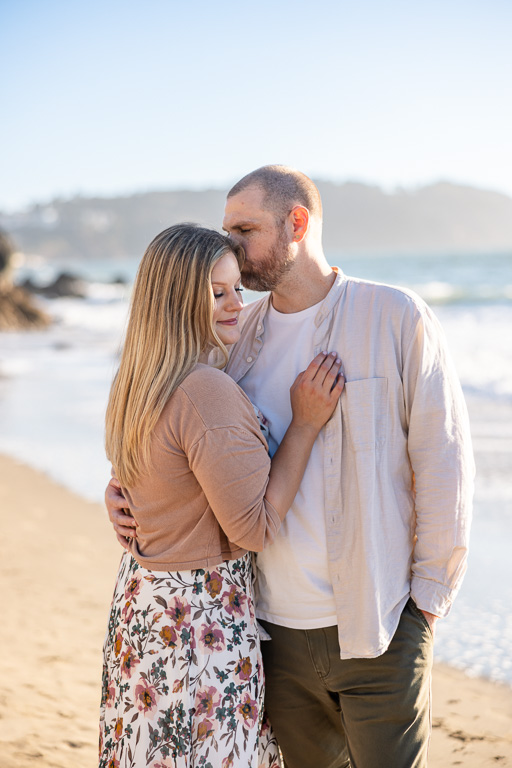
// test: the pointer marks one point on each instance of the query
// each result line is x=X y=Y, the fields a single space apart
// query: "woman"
x=183 y=678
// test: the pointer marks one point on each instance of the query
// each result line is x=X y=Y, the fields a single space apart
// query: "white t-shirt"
x=293 y=578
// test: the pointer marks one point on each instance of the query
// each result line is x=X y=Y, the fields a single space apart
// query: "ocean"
x=54 y=386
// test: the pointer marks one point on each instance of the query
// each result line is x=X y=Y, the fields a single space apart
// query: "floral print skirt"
x=183 y=679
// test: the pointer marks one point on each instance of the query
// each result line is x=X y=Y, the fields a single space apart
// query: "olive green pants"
x=329 y=712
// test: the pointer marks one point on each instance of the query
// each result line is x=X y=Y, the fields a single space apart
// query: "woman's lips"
x=234 y=321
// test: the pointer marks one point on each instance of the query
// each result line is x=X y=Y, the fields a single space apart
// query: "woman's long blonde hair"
x=170 y=324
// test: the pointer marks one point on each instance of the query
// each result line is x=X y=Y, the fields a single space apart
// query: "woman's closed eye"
x=238 y=290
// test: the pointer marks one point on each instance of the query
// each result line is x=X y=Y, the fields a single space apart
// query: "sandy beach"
x=58 y=564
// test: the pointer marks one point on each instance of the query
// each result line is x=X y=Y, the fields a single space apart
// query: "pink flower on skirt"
x=234 y=601
x=243 y=669
x=118 y=644
x=169 y=636
x=207 y=700
x=118 y=730
x=129 y=661
x=205 y=729
x=146 y=697
x=132 y=587
x=111 y=694
x=228 y=761
x=113 y=763
x=179 y=612
x=211 y=638
x=127 y=612
x=247 y=711
x=213 y=583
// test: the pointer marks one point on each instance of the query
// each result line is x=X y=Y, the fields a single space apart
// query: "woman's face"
x=228 y=298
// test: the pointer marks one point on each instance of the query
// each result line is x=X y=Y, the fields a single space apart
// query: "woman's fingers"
x=337 y=387
x=322 y=362
x=316 y=391
x=323 y=370
x=124 y=541
x=332 y=374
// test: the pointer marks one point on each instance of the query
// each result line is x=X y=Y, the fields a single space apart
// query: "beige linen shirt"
x=399 y=467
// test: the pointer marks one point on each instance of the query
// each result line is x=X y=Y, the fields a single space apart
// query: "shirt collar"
x=325 y=308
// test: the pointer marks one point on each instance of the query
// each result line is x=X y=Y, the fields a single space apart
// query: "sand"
x=58 y=563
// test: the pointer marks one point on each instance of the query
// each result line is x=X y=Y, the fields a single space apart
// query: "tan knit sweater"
x=202 y=500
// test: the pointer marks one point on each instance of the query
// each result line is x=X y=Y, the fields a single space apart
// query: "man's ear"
x=299 y=216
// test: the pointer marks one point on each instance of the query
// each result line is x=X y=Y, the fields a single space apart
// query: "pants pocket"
x=419 y=613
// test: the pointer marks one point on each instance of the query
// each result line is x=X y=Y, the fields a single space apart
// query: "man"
x=374 y=547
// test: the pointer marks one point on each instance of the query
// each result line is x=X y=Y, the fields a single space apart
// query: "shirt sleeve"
x=441 y=456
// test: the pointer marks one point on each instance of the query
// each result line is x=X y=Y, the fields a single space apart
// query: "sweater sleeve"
x=439 y=446
x=226 y=452
x=232 y=467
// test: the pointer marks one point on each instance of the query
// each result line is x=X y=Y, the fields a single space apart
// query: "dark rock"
x=6 y=251
x=65 y=284
x=19 y=312
x=119 y=280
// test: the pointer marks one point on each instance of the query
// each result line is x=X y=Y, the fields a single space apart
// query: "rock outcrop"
x=65 y=284
x=18 y=310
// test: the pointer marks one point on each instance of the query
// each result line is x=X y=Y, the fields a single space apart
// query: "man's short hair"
x=284 y=187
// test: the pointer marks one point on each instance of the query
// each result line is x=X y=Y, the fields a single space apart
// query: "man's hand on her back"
x=120 y=517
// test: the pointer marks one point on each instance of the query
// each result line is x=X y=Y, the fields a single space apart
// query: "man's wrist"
x=430 y=617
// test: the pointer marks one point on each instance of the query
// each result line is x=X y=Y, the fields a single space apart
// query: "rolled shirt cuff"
x=432 y=596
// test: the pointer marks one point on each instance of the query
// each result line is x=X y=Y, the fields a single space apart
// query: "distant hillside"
x=357 y=216
x=439 y=217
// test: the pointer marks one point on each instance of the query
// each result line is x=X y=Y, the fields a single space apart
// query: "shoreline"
x=58 y=569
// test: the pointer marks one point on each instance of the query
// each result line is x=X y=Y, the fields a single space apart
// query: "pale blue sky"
x=110 y=96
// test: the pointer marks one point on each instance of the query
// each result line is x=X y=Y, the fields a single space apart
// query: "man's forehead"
x=247 y=205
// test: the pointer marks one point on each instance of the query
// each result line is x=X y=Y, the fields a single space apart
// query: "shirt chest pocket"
x=365 y=413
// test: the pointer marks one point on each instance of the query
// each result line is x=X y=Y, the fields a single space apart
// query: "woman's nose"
x=236 y=302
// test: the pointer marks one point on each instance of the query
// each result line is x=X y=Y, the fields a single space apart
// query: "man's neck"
x=300 y=292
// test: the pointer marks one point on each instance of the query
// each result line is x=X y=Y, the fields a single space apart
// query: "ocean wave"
x=437 y=293
x=106 y=316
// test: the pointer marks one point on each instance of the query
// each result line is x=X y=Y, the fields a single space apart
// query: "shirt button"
x=249 y=359
x=258 y=328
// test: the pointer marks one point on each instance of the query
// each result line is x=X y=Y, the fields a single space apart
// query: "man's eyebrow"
x=240 y=224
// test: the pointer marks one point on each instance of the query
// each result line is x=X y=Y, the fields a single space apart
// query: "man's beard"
x=270 y=269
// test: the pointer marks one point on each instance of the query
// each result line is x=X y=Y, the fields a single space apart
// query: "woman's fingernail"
x=338 y=361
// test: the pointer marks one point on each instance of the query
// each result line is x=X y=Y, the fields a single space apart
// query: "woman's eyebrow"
x=217 y=282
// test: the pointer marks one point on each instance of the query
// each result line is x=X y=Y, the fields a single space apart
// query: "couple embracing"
x=332 y=440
